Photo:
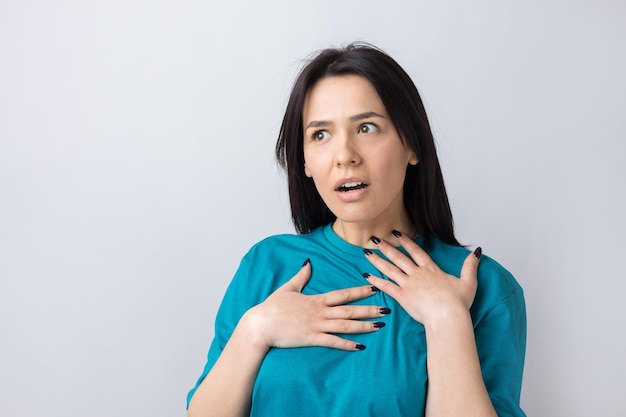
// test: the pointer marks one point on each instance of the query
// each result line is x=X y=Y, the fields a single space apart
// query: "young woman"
x=388 y=315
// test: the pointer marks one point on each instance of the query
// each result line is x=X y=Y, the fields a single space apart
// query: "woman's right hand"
x=288 y=318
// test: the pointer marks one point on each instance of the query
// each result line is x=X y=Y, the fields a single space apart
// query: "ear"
x=306 y=171
x=413 y=159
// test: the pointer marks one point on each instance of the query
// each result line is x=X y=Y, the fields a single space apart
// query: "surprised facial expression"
x=352 y=150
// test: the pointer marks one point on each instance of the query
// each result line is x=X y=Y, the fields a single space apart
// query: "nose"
x=346 y=151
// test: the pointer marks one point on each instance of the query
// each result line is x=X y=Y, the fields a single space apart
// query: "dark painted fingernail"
x=378 y=324
x=359 y=346
x=306 y=262
x=375 y=240
x=384 y=310
x=367 y=252
x=478 y=252
x=396 y=233
x=366 y=275
x=374 y=289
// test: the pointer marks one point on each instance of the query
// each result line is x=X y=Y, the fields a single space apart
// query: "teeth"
x=351 y=184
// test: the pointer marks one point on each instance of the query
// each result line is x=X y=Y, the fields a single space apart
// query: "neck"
x=359 y=234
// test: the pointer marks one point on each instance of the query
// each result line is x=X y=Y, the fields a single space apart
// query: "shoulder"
x=280 y=254
x=495 y=283
x=267 y=265
x=286 y=244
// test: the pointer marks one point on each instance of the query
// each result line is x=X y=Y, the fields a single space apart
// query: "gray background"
x=136 y=169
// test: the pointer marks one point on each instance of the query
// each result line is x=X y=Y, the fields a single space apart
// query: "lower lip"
x=354 y=195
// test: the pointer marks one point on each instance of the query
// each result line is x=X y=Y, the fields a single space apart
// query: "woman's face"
x=352 y=150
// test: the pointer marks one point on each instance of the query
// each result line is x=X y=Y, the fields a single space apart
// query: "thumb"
x=298 y=281
x=469 y=271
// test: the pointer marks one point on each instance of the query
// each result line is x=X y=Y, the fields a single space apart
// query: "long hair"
x=425 y=197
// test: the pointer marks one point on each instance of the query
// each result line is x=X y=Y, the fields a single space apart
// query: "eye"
x=320 y=135
x=367 y=128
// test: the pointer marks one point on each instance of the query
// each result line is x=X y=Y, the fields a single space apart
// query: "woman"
x=369 y=204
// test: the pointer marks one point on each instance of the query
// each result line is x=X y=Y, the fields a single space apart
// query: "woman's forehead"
x=341 y=97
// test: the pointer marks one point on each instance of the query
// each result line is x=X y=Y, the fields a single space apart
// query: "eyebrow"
x=365 y=115
x=355 y=118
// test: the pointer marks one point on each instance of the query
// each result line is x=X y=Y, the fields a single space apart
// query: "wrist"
x=250 y=331
x=448 y=317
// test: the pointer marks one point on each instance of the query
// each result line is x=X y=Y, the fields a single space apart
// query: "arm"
x=441 y=303
x=456 y=386
x=287 y=318
x=227 y=388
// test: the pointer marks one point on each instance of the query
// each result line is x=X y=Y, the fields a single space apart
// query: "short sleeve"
x=501 y=343
x=239 y=297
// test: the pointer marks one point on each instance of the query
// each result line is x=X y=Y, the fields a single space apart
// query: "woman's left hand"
x=425 y=291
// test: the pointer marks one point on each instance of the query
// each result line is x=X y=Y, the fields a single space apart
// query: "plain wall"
x=136 y=169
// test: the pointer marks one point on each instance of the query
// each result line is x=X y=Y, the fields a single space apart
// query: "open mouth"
x=351 y=186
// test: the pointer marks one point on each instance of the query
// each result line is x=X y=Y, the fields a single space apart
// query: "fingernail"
x=396 y=233
x=478 y=252
x=359 y=346
x=374 y=289
x=366 y=275
x=384 y=310
x=375 y=240
x=306 y=262
x=367 y=252
x=378 y=324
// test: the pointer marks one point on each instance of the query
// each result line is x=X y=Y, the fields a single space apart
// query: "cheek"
x=393 y=168
x=392 y=158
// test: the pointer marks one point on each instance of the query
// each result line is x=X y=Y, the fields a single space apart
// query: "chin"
x=353 y=217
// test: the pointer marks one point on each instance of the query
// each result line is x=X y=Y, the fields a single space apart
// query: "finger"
x=350 y=326
x=298 y=281
x=355 y=312
x=385 y=267
x=383 y=285
x=346 y=295
x=336 y=342
x=469 y=271
x=419 y=255
x=398 y=258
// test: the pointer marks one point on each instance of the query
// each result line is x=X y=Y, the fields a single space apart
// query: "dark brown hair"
x=424 y=192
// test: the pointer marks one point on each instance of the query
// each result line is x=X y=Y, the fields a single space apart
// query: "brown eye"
x=368 y=128
x=320 y=135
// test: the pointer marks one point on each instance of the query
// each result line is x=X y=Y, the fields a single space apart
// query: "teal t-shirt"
x=388 y=378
